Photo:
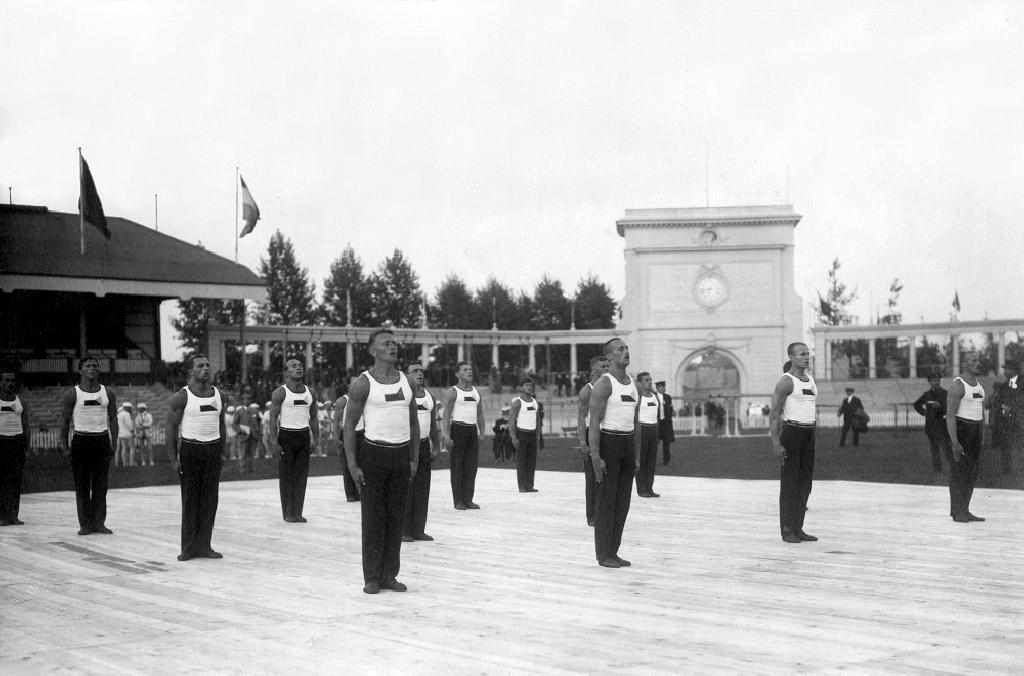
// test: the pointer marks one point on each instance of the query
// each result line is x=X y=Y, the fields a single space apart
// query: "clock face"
x=710 y=291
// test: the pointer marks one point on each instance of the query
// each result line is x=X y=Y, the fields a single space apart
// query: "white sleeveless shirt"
x=970 y=407
x=800 y=406
x=360 y=424
x=648 y=414
x=464 y=409
x=90 y=413
x=201 y=419
x=386 y=411
x=621 y=407
x=526 y=420
x=425 y=412
x=295 y=409
x=586 y=417
x=10 y=417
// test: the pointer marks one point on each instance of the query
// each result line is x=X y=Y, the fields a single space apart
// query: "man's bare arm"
x=357 y=394
x=67 y=409
x=583 y=407
x=598 y=404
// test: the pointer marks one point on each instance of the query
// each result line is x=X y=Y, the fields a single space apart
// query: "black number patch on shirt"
x=810 y=392
x=628 y=397
x=422 y=407
x=531 y=408
x=7 y=408
x=394 y=396
x=206 y=408
x=91 y=402
x=979 y=395
x=651 y=403
x=468 y=399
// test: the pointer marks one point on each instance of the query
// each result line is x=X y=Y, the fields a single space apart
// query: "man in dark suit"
x=932 y=405
x=666 y=432
x=1007 y=407
x=850 y=405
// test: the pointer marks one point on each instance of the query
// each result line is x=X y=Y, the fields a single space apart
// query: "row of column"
x=912 y=350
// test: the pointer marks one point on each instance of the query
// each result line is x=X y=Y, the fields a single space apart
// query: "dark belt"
x=968 y=422
x=793 y=423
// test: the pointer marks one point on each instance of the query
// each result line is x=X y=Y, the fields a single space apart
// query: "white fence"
x=46 y=439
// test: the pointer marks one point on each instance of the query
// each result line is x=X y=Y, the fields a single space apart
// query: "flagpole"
x=81 y=216
x=236 y=214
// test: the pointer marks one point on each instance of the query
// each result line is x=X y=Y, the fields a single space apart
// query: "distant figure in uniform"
x=144 y=435
x=967 y=400
x=598 y=367
x=340 y=408
x=196 y=431
x=418 y=500
x=1007 y=421
x=524 y=431
x=932 y=405
x=648 y=417
x=793 y=421
x=124 y=455
x=385 y=462
x=93 y=408
x=246 y=433
x=294 y=434
x=615 y=433
x=461 y=427
x=666 y=431
x=502 y=446
x=847 y=409
x=15 y=434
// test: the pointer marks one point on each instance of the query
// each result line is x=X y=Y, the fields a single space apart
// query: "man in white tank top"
x=387 y=459
x=524 y=429
x=15 y=434
x=793 y=422
x=418 y=500
x=294 y=435
x=613 y=439
x=649 y=417
x=965 y=413
x=195 y=443
x=351 y=490
x=461 y=427
x=598 y=367
x=93 y=408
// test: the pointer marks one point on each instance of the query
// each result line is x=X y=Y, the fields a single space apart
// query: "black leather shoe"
x=622 y=562
x=406 y=538
x=804 y=537
x=472 y=505
x=103 y=529
x=460 y=506
x=423 y=537
x=184 y=556
x=532 y=490
x=84 y=531
x=654 y=495
x=5 y=522
x=301 y=519
x=210 y=554
x=609 y=563
x=18 y=522
x=371 y=588
x=791 y=537
x=960 y=518
x=394 y=585
x=291 y=519
x=971 y=517
x=523 y=490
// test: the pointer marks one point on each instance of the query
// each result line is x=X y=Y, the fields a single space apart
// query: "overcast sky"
x=506 y=138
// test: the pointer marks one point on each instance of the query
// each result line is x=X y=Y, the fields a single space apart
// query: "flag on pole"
x=89 y=205
x=250 y=212
x=956 y=300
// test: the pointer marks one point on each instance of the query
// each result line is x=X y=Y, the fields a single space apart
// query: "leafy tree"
x=892 y=316
x=550 y=306
x=888 y=359
x=394 y=294
x=191 y=324
x=497 y=304
x=346 y=280
x=289 y=291
x=833 y=307
x=595 y=308
x=456 y=308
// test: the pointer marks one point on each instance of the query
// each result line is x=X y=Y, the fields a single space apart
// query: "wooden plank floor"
x=893 y=585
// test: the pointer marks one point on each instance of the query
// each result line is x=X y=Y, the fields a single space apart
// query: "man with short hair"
x=196 y=431
x=1007 y=407
x=387 y=459
x=461 y=426
x=614 y=435
x=93 y=408
x=648 y=417
x=524 y=431
x=932 y=405
x=666 y=431
x=123 y=456
x=418 y=500
x=847 y=410
x=144 y=435
x=966 y=401
x=15 y=434
x=598 y=367
x=294 y=434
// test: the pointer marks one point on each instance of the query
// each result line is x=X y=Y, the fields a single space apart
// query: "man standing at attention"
x=461 y=426
x=666 y=432
x=523 y=428
x=195 y=446
x=1007 y=406
x=294 y=433
x=386 y=459
x=792 y=422
x=615 y=434
x=648 y=417
x=932 y=405
x=418 y=499
x=15 y=433
x=850 y=405
x=598 y=367
x=966 y=400
x=340 y=406
x=144 y=435
x=93 y=408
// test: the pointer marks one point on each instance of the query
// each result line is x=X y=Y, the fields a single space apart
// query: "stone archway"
x=710 y=373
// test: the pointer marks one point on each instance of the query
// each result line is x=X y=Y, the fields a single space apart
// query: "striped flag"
x=250 y=212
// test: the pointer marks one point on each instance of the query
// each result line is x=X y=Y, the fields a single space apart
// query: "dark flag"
x=89 y=205
x=956 y=300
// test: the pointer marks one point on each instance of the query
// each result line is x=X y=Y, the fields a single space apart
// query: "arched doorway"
x=709 y=374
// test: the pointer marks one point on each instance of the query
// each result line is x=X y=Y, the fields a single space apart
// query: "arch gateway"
x=710 y=304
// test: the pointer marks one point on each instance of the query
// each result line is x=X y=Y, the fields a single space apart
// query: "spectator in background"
x=144 y=435
x=231 y=441
x=125 y=436
x=502 y=445
x=932 y=405
x=847 y=409
x=1007 y=408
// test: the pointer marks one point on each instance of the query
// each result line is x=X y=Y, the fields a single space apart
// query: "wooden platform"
x=893 y=585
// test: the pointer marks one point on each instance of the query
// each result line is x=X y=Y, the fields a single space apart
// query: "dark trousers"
x=293 y=470
x=465 y=451
x=418 y=500
x=613 y=493
x=938 y=441
x=246 y=452
x=648 y=459
x=351 y=490
x=591 y=488
x=90 y=462
x=1009 y=443
x=12 y=465
x=526 y=458
x=797 y=472
x=386 y=476
x=201 y=464
x=666 y=452
x=847 y=425
x=963 y=474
